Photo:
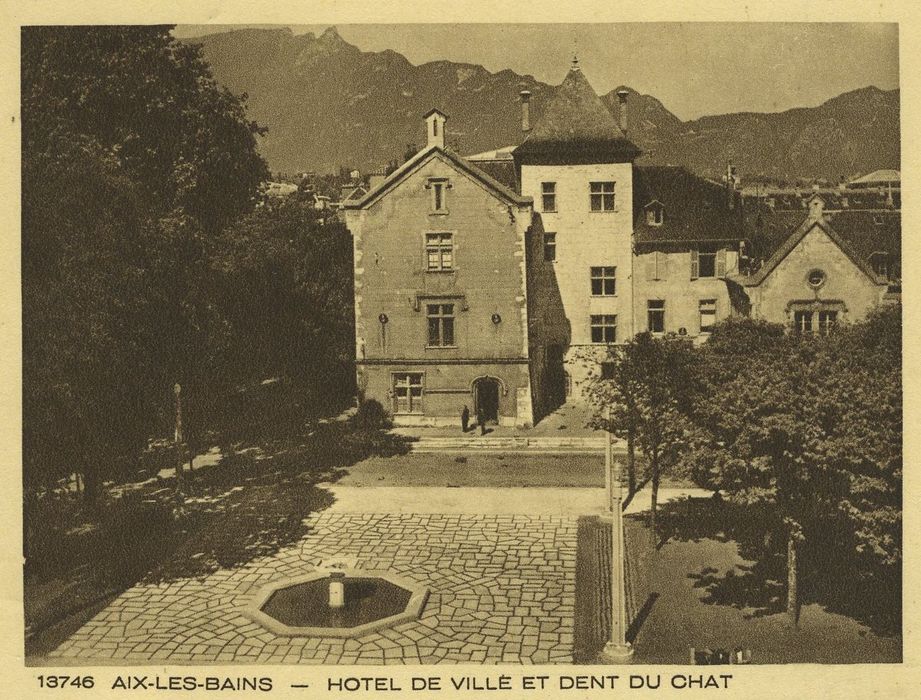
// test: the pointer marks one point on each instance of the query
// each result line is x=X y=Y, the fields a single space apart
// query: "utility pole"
x=618 y=649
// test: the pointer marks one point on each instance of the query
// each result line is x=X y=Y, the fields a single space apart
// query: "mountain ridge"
x=329 y=104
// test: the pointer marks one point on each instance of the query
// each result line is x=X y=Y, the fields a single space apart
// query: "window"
x=407 y=392
x=827 y=321
x=707 y=315
x=708 y=262
x=601 y=195
x=802 y=321
x=439 y=187
x=880 y=263
x=603 y=281
x=604 y=328
x=655 y=315
x=810 y=317
x=441 y=324
x=438 y=196
x=656 y=265
x=439 y=251
x=816 y=278
x=608 y=369
x=548 y=196
x=655 y=214
x=549 y=247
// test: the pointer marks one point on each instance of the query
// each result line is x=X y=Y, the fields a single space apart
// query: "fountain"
x=336 y=602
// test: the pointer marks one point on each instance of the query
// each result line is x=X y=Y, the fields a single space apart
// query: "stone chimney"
x=525 y=110
x=435 y=128
x=622 y=98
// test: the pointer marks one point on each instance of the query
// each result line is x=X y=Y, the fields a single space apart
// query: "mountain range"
x=328 y=104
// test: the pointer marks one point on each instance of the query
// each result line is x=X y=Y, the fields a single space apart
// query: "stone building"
x=441 y=313
x=498 y=281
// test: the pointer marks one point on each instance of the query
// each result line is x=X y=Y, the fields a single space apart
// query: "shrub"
x=371 y=415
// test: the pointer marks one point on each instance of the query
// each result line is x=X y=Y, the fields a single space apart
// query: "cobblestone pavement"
x=502 y=591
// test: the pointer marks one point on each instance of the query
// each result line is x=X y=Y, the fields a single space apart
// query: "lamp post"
x=617 y=649
x=177 y=390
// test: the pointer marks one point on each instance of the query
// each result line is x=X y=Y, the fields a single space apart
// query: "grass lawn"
x=484 y=470
x=696 y=590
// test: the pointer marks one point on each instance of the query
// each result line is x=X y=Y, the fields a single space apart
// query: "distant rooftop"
x=878 y=177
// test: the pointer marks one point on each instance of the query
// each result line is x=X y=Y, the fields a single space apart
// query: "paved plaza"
x=502 y=591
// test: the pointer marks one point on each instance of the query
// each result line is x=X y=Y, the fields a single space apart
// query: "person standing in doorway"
x=465 y=418
x=481 y=419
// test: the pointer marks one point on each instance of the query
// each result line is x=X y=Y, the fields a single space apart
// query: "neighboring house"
x=833 y=267
x=688 y=237
x=498 y=281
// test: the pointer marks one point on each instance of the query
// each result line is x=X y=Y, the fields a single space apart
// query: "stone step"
x=512 y=443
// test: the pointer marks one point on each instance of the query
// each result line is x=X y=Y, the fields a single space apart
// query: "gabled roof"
x=787 y=247
x=575 y=125
x=434 y=110
x=696 y=209
x=420 y=159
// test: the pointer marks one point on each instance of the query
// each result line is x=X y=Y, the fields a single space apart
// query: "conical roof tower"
x=576 y=127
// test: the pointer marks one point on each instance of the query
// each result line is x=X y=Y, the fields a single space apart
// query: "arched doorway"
x=486 y=398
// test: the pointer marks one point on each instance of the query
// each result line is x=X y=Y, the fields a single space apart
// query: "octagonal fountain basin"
x=337 y=603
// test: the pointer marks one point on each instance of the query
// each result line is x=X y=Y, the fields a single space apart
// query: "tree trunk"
x=631 y=464
x=654 y=468
x=91 y=486
x=793 y=602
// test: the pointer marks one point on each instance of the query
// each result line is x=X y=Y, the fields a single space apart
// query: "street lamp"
x=617 y=649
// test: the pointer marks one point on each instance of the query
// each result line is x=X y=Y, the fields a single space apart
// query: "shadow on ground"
x=831 y=574
x=248 y=504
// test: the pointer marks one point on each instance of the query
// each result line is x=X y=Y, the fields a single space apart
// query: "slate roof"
x=575 y=126
x=695 y=209
x=785 y=248
x=862 y=232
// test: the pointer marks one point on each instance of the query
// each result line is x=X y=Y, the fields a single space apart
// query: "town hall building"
x=497 y=282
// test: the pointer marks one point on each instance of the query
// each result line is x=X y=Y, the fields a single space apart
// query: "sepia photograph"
x=497 y=344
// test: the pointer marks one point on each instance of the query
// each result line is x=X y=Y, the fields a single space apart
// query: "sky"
x=693 y=68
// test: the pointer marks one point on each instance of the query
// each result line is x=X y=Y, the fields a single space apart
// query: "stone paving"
x=502 y=591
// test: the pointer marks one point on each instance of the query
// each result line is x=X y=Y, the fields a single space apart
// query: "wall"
x=787 y=282
x=586 y=239
x=488 y=278
x=681 y=293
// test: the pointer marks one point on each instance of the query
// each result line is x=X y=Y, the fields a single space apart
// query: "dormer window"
x=880 y=263
x=655 y=214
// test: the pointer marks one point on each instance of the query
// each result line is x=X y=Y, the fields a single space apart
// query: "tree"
x=284 y=285
x=642 y=396
x=662 y=370
x=615 y=396
x=132 y=159
x=808 y=430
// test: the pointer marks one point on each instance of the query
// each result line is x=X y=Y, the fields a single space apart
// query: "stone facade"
x=441 y=294
x=817 y=272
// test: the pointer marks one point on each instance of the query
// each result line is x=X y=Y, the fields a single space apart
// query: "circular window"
x=816 y=278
